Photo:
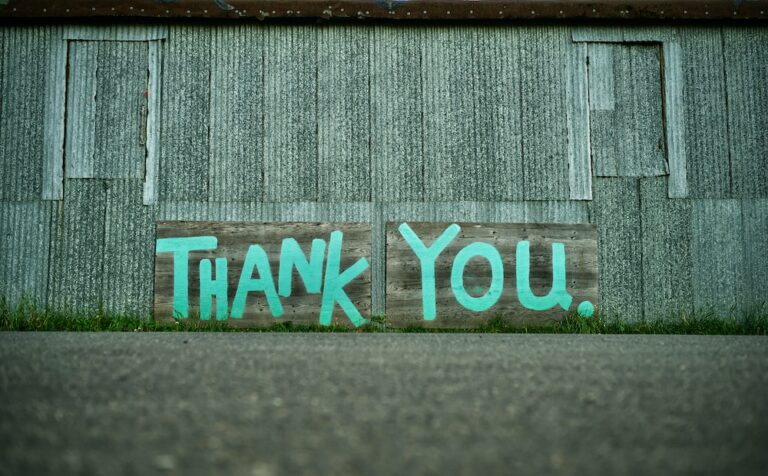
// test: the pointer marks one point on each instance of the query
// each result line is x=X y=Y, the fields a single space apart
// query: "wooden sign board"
x=462 y=275
x=259 y=274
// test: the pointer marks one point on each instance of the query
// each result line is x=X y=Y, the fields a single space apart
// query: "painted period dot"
x=585 y=309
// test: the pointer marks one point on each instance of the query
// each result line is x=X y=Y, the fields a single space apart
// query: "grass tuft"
x=26 y=316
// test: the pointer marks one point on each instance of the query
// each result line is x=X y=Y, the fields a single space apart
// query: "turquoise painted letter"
x=557 y=295
x=180 y=247
x=427 y=257
x=333 y=291
x=210 y=288
x=310 y=271
x=256 y=258
x=491 y=297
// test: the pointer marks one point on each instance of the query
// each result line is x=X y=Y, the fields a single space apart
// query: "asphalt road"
x=400 y=404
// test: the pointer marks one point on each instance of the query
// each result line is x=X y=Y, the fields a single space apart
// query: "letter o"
x=493 y=294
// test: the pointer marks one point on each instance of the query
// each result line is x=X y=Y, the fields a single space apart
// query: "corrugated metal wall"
x=387 y=122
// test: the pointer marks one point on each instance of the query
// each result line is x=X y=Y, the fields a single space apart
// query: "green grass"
x=26 y=316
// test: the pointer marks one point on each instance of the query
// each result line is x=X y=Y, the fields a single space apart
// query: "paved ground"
x=263 y=404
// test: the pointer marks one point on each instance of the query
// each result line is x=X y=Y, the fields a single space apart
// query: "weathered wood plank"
x=410 y=298
x=234 y=240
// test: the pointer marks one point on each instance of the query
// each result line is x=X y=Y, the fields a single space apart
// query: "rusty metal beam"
x=391 y=9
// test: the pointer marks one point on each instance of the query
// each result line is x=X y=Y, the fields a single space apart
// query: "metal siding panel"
x=667 y=259
x=290 y=106
x=718 y=260
x=543 y=61
x=237 y=103
x=121 y=108
x=186 y=114
x=129 y=251
x=706 y=119
x=579 y=154
x=616 y=213
x=397 y=163
x=55 y=113
x=449 y=146
x=602 y=87
x=23 y=112
x=25 y=237
x=155 y=64
x=625 y=82
x=746 y=60
x=497 y=162
x=343 y=115
x=755 y=219
x=78 y=256
x=81 y=109
x=674 y=110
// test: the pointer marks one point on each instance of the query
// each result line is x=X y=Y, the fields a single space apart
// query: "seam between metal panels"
x=727 y=114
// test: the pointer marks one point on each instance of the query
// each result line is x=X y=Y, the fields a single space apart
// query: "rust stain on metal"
x=391 y=9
